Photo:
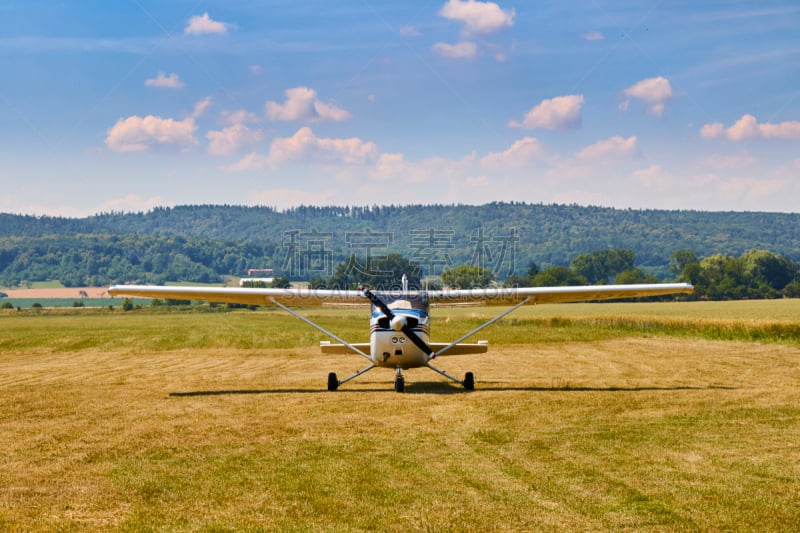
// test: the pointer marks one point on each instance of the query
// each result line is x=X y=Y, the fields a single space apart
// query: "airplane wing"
x=489 y=296
x=546 y=295
x=245 y=295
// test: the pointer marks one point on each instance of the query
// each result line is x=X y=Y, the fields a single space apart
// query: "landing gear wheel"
x=469 y=381
x=333 y=382
x=399 y=384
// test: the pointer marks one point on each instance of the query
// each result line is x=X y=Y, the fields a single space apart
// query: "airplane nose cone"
x=398 y=323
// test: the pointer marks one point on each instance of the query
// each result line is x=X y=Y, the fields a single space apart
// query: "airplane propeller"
x=398 y=323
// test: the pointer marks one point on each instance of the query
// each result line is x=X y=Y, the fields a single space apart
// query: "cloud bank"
x=748 y=127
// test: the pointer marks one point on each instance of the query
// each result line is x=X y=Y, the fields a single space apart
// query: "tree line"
x=443 y=236
x=98 y=260
x=516 y=243
x=93 y=260
x=756 y=274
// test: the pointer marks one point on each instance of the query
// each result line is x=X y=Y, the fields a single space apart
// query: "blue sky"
x=131 y=104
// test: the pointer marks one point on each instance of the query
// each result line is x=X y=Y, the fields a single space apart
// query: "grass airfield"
x=585 y=417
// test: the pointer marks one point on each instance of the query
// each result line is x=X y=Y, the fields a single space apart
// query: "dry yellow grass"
x=630 y=432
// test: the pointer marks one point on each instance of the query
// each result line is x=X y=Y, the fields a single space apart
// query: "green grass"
x=27 y=303
x=200 y=421
x=49 y=284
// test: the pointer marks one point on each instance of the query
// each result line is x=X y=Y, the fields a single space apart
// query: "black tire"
x=333 y=382
x=399 y=385
x=469 y=381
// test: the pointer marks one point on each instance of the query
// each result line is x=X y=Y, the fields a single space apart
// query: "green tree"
x=467 y=277
x=679 y=259
x=602 y=265
x=383 y=273
x=792 y=290
x=515 y=280
x=558 y=276
x=281 y=282
x=318 y=283
x=636 y=275
x=770 y=269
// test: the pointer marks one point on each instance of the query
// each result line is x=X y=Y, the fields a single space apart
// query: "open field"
x=52 y=294
x=584 y=417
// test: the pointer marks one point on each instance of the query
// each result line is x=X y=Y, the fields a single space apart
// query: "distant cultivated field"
x=645 y=417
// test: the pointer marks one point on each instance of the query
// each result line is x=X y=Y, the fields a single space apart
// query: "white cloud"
x=479 y=18
x=202 y=24
x=561 y=112
x=612 y=148
x=521 y=154
x=395 y=167
x=733 y=161
x=750 y=189
x=708 y=190
x=389 y=166
x=252 y=161
x=302 y=104
x=307 y=147
x=478 y=181
x=654 y=92
x=784 y=130
x=745 y=128
x=201 y=107
x=748 y=127
x=137 y=134
x=172 y=81
x=240 y=116
x=232 y=139
x=462 y=50
x=593 y=36
x=652 y=177
x=710 y=131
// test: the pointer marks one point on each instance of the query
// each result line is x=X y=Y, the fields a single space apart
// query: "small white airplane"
x=400 y=323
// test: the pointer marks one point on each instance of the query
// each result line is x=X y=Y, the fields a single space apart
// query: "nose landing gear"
x=399 y=381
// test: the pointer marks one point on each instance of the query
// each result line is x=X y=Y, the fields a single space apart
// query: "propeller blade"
x=411 y=334
x=377 y=302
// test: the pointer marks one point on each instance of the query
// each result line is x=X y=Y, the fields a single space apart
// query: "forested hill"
x=504 y=236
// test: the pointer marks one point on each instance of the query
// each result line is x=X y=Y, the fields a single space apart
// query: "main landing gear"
x=469 y=381
x=399 y=381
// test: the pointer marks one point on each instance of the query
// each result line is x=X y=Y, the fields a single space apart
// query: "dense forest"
x=206 y=243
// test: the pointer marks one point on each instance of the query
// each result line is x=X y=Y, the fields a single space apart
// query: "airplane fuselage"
x=390 y=346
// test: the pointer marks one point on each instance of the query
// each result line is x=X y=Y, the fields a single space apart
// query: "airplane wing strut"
x=485 y=324
x=320 y=328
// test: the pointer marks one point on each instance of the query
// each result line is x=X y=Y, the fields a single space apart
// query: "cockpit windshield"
x=414 y=302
